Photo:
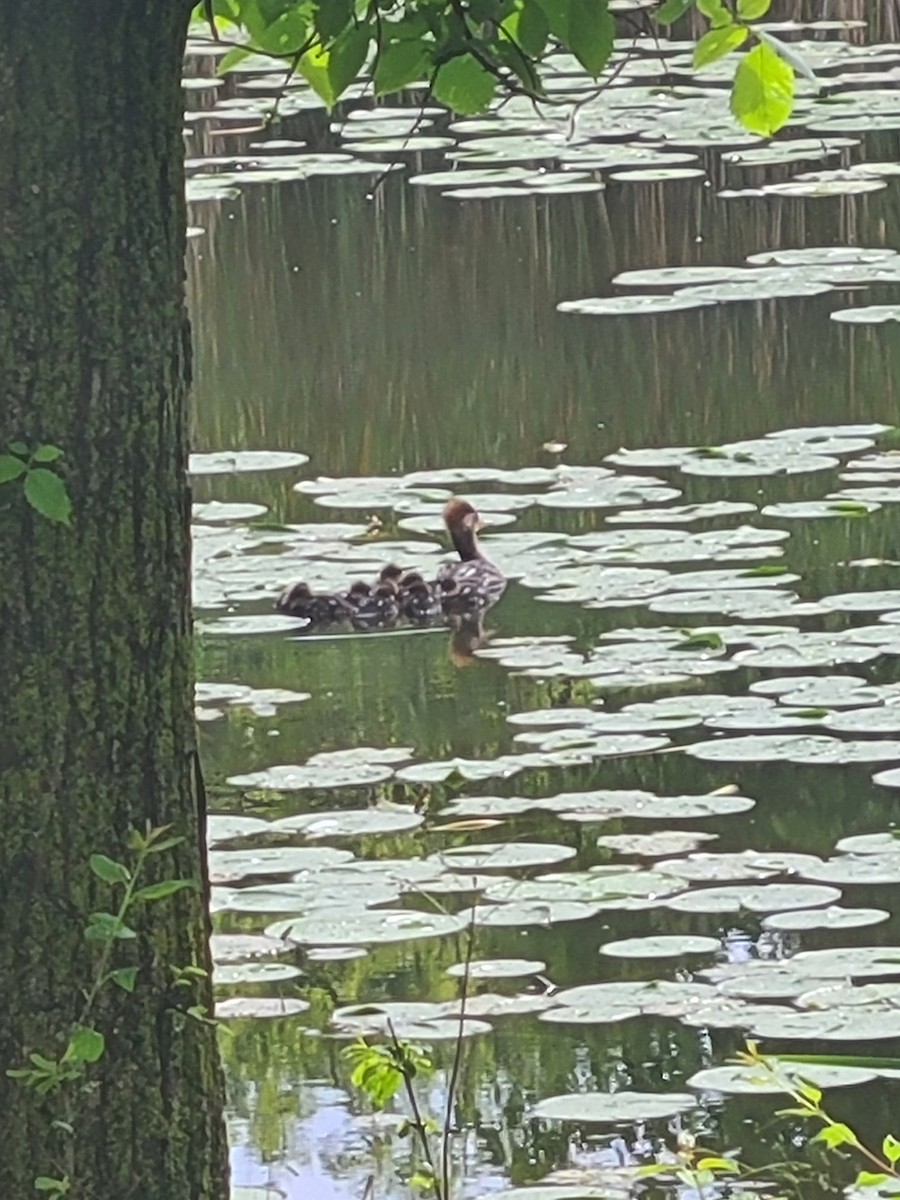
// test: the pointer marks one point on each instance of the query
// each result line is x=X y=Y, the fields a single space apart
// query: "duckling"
x=299 y=600
x=474 y=583
x=420 y=602
x=374 y=608
x=391 y=574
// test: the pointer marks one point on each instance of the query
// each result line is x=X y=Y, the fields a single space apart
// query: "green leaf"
x=464 y=85
x=19 y=448
x=719 y=1164
x=332 y=17
x=719 y=42
x=285 y=35
x=11 y=468
x=46 y=493
x=230 y=60
x=165 y=887
x=794 y=59
x=124 y=977
x=890 y=1148
x=868 y=1179
x=751 y=10
x=44 y=1183
x=671 y=11
x=715 y=12
x=329 y=72
x=762 y=97
x=85 y=1045
x=347 y=56
x=108 y=869
x=106 y=927
x=837 y=1135
x=47 y=454
x=531 y=29
x=400 y=64
x=592 y=30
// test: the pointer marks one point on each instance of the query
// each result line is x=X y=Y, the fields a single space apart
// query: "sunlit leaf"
x=719 y=42
x=11 y=467
x=762 y=98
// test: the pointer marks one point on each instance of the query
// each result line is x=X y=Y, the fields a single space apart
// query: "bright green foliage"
x=466 y=52
x=719 y=42
x=763 y=94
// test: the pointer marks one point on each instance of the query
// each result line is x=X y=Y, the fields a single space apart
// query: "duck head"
x=463 y=523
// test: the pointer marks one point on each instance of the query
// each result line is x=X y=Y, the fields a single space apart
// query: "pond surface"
x=654 y=804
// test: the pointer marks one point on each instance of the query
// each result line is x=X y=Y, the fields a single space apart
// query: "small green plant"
x=68 y=1075
x=42 y=487
x=834 y=1135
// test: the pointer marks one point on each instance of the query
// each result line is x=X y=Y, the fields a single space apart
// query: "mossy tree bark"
x=96 y=714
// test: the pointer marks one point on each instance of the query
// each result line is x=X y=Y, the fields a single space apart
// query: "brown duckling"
x=420 y=602
x=373 y=607
x=474 y=583
x=299 y=600
x=391 y=574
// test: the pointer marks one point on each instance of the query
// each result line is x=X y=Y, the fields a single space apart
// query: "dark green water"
x=402 y=332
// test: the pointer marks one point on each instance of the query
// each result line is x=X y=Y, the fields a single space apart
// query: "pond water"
x=597 y=795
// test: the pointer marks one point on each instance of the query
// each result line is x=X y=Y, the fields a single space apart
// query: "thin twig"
x=418 y=1120
x=458 y=1051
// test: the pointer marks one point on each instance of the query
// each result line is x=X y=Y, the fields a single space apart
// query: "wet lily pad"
x=231 y=866
x=763 y=898
x=503 y=856
x=350 y=927
x=662 y=946
x=871 y=314
x=237 y=1008
x=742 y=1080
x=833 y=917
x=228 y=827
x=654 y=845
x=613 y=1108
x=254 y=972
x=350 y=823
x=216 y=512
x=636 y=305
x=360 y=767
x=243 y=947
x=235 y=462
x=497 y=968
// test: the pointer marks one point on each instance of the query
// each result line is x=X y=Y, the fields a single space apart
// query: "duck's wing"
x=470 y=585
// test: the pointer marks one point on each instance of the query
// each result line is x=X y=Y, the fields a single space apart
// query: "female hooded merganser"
x=474 y=583
x=299 y=600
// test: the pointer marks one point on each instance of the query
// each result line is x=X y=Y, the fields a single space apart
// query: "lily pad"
x=637 y=305
x=497 y=968
x=237 y=1008
x=236 y=462
x=613 y=1108
x=740 y=1080
x=373 y=927
x=871 y=314
x=503 y=856
x=254 y=972
x=763 y=898
x=662 y=946
x=350 y=823
x=231 y=866
x=833 y=917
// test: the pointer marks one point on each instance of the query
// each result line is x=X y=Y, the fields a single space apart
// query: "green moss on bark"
x=96 y=702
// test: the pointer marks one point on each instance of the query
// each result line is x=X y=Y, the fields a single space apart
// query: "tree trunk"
x=96 y=707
